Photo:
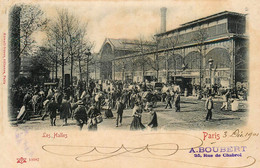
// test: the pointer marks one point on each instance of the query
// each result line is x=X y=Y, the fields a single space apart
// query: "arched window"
x=192 y=60
x=220 y=58
x=175 y=62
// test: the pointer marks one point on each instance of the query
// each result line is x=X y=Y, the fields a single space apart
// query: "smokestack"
x=163 y=19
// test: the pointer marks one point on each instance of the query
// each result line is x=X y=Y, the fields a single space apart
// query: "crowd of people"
x=85 y=104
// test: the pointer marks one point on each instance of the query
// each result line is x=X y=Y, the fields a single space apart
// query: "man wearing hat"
x=52 y=109
x=80 y=114
x=119 y=111
x=209 y=107
x=168 y=99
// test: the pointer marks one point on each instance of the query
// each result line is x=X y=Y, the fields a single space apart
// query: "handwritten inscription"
x=240 y=134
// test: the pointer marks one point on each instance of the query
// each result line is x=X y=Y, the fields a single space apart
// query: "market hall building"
x=207 y=51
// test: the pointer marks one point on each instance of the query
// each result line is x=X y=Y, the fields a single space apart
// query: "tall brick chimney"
x=163 y=19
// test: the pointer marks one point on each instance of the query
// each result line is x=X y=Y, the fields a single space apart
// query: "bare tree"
x=69 y=40
x=121 y=65
x=132 y=66
x=200 y=37
x=84 y=47
x=155 y=62
x=72 y=35
x=172 y=42
x=31 y=20
x=52 y=43
x=143 y=47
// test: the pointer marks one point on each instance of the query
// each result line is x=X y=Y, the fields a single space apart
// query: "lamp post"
x=123 y=73
x=210 y=61
x=88 y=54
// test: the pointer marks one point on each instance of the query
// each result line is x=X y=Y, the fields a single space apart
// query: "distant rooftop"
x=126 y=44
x=204 y=19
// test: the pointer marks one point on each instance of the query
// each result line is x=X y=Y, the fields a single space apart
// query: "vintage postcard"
x=118 y=83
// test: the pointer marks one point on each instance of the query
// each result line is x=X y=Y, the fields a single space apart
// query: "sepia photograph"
x=71 y=70
x=116 y=83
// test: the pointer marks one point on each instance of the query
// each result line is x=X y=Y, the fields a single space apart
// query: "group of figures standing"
x=86 y=106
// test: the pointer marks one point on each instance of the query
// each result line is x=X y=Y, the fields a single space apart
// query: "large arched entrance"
x=191 y=71
x=220 y=73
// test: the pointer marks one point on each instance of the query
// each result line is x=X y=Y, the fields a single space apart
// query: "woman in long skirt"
x=92 y=113
x=153 y=119
x=137 y=116
x=108 y=107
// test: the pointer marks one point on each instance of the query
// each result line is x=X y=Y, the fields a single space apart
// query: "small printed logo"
x=21 y=160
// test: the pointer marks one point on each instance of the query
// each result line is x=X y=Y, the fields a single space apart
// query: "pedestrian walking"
x=45 y=108
x=209 y=107
x=168 y=100
x=108 y=109
x=153 y=118
x=119 y=111
x=52 y=109
x=65 y=110
x=92 y=113
x=80 y=114
x=177 y=101
x=225 y=101
x=27 y=102
x=137 y=118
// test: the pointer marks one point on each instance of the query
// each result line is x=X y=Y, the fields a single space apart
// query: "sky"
x=132 y=19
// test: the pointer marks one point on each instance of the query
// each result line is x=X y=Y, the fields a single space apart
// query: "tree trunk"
x=56 y=62
x=71 y=69
x=167 y=68
x=62 y=66
x=143 y=74
x=80 y=72
x=87 y=69
x=157 y=74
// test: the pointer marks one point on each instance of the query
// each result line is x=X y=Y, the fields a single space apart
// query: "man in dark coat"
x=168 y=100
x=119 y=111
x=65 y=110
x=177 y=100
x=52 y=109
x=209 y=107
x=80 y=114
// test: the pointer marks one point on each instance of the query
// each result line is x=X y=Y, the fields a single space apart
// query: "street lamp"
x=210 y=61
x=123 y=73
x=88 y=54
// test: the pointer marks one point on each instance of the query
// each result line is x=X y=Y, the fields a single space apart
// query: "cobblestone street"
x=192 y=116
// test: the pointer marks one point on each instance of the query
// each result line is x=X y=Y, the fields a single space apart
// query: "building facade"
x=113 y=49
x=207 y=51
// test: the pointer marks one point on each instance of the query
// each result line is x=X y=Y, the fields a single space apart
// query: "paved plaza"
x=191 y=117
